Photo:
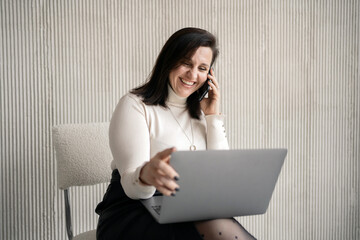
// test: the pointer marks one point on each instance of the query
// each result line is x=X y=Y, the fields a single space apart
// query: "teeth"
x=187 y=83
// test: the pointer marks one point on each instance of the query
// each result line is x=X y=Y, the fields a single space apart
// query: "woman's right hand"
x=158 y=173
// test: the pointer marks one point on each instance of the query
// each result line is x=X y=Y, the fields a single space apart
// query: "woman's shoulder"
x=130 y=102
x=130 y=98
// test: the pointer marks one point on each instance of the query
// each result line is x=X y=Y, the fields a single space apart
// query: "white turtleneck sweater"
x=138 y=132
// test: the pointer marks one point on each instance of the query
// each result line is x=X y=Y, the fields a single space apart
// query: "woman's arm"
x=215 y=133
x=130 y=145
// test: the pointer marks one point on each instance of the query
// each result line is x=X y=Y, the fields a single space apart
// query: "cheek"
x=203 y=78
x=172 y=79
x=174 y=74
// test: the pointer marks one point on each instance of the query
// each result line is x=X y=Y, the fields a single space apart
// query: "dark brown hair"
x=182 y=44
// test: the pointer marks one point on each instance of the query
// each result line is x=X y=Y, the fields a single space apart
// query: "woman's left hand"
x=211 y=105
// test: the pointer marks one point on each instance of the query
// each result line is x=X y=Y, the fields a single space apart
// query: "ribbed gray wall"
x=289 y=74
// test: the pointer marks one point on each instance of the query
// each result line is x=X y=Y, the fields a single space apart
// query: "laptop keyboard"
x=157 y=209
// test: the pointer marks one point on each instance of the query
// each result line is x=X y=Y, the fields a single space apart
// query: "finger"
x=214 y=82
x=165 y=191
x=215 y=90
x=213 y=78
x=168 y=183
x=166 y=170
x=166 y=152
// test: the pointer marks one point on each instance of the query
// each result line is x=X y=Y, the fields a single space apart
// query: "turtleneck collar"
x=174 y=99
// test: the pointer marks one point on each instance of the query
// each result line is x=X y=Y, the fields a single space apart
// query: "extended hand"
x=158 y=173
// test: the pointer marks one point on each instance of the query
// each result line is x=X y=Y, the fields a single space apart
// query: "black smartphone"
x=204 y=89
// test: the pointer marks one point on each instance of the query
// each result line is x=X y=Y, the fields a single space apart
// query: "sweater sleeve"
x=216 y=134
x=130 y=145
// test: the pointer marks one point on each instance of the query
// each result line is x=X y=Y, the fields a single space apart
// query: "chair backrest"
x=82 y=153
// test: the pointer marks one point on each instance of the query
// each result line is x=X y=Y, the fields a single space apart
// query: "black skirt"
x=124 y=218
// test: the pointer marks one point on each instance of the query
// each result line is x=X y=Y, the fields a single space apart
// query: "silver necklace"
x=192 y=145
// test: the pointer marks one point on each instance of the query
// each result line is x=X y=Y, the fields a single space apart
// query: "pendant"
x=192 y=147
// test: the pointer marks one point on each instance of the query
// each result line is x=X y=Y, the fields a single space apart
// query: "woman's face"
x=191 y=73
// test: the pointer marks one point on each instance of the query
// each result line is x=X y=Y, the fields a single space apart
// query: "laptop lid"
x=221 y=184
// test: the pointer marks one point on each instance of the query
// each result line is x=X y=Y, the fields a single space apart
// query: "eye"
x=186 y=63
x=203 y=69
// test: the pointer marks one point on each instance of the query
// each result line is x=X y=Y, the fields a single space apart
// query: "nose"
x=192 y=73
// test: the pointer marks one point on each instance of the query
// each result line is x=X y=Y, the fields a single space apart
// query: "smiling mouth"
x=187 y=83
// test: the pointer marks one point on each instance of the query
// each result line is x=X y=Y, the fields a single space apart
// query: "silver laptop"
x=219 y=184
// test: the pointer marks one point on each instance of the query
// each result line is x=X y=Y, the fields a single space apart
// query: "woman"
x=150 y=123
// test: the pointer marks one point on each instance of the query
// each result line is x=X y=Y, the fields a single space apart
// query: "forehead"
x=202 y=55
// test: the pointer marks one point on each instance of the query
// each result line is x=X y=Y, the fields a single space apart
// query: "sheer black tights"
x=220 y=229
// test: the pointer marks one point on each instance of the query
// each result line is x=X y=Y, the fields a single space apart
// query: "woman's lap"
x=124 y=218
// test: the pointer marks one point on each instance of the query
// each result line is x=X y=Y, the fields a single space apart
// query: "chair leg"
x=68 y=215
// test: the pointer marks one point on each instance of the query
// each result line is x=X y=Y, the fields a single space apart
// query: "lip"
x=184 y=84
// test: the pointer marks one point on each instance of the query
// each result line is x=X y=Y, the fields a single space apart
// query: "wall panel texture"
x=289 y=75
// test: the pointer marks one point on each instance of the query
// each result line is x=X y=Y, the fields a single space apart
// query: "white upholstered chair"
x=83 y=158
